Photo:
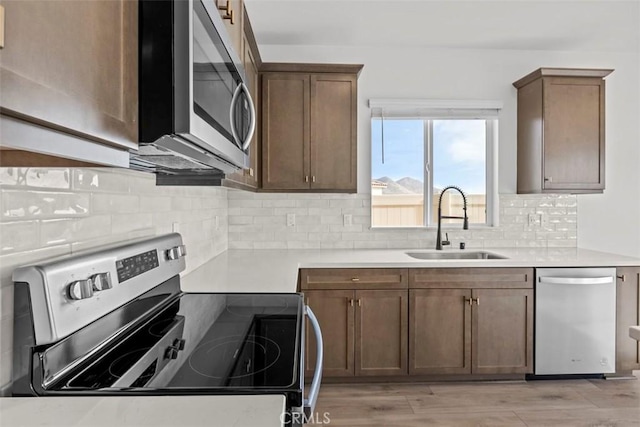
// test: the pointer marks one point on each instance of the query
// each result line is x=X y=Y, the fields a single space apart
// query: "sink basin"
x=455 y=255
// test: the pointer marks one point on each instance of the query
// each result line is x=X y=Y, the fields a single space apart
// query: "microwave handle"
x=310 y=402
x=252 y=127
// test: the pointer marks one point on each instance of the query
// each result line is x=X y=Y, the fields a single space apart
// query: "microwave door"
x=214 y=83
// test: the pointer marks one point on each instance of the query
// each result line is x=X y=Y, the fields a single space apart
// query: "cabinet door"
x=627 y=314
x=439 y=331
x=381 y=333
x=335 y=313
x=502 y=331
x=285 y=131
x=72 y=66
x=573 y=157
x=333 y=132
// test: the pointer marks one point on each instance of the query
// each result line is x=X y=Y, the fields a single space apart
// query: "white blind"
x=433 y=109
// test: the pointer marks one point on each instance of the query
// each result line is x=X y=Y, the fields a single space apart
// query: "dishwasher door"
x=575 y=324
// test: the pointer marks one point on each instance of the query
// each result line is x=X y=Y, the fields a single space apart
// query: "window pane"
x=397 y=185
x=459 y=158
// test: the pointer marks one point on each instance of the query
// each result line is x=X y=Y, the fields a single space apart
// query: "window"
x=417 y=152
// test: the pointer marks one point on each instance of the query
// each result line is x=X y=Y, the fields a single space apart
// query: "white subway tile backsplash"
x=321 y=216
x=19 y=236
x=53 y=178
x=27 y=204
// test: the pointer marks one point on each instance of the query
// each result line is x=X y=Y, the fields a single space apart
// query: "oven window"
x=215 y=78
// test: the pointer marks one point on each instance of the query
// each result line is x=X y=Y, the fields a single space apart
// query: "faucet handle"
x=446 y=241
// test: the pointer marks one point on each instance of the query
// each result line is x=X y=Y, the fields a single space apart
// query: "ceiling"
x=584 y=25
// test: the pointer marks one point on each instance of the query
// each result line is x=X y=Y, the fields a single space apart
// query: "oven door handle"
x=310 y=402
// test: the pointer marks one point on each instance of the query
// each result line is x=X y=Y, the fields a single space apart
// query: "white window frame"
x=429 y=110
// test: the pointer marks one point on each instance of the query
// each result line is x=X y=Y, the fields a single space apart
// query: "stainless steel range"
x=114 y=322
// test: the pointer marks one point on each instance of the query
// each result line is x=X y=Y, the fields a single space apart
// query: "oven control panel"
x=133 y=266
x=70 y=292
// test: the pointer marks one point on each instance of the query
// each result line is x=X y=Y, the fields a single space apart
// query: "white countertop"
x=209 y=411
x=275 y=270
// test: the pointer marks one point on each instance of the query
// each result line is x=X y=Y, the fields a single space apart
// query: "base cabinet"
x=421 y=322
x=334 y=311
x=381 y=332
x=439 y=331
x=363 y=314
x=627 y=314
x=502 y=331
x=470 y=321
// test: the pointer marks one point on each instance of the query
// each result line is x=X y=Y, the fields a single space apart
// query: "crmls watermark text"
x=297 y=418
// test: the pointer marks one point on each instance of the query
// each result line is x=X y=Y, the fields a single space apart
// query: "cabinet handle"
x=228 y=13
x=351 y=302
x=306 y=178
x=355 y=279
x=469 y=300
x=548 y=179
x=623 y=278
x=477 y=301
x=359 y=302
x=313 y=178
x=1 y=27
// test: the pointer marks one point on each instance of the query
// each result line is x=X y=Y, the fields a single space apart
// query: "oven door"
x=221 y=111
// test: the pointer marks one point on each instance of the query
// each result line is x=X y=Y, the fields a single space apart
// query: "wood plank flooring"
x=533 y=403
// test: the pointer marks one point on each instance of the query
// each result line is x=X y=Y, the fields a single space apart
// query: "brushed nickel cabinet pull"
x=359 y=302
x=351 y=302
x=313 y=178
x=469 y=300
x=623 y=277
x=478 y=301
x=548 y=179
x=306 y=178
x=1 y=27
x=355 y=279
x=228 y=13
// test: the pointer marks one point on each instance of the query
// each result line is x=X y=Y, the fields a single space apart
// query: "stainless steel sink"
x=455 y=255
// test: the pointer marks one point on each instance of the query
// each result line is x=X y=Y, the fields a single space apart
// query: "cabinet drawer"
x=465 y=278
x=353 y=278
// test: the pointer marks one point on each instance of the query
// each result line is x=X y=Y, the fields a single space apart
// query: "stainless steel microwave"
x=196 y=114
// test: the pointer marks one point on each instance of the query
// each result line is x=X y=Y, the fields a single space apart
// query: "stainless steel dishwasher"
x=575 y=325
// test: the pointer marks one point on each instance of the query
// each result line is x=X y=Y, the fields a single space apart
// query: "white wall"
x=610 y=221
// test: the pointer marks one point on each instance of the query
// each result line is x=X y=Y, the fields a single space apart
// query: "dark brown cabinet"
x=335 y=313
x=470 y=321
x=561 y=137
x=72 y=67
x=627 y=314
x=309 y=127
x=363 y=315
x=439 y=331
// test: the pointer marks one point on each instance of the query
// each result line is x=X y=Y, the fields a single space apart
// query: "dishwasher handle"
x=576 y=280
x=310 y=402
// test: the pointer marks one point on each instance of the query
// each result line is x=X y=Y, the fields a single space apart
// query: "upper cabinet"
x=309 y=127
x=561 y=138
x=232 y=12
x=70 y=67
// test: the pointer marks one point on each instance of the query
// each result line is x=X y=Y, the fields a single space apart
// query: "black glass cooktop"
x=206 y=343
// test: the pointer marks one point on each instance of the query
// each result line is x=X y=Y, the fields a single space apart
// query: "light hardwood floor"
x=533 y=403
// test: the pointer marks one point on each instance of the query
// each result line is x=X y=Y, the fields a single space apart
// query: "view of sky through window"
x=397 y=182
